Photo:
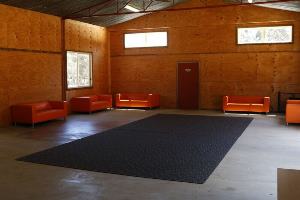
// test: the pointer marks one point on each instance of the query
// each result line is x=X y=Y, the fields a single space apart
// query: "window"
x=79 y=70
x=265 y=35
x=148 y=39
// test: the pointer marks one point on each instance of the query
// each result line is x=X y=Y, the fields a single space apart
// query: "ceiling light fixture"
x=128 y=7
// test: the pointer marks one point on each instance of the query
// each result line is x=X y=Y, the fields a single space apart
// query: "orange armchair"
x=91 y=103
x=137 y=100
x=292 y=113
x=31 y=113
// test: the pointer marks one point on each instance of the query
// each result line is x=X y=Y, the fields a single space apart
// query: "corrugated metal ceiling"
x=110 y=12
x=282 y=5
x=79 y=8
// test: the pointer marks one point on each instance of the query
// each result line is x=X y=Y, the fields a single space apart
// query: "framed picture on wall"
x=265 y=35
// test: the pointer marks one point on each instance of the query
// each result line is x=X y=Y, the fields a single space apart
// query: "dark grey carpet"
x=170 y=147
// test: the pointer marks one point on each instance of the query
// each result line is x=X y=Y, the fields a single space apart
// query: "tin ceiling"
x=105 y=12
x=276 y=4
x=110 y=12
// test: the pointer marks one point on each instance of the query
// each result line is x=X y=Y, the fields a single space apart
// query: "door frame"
x=198 y=76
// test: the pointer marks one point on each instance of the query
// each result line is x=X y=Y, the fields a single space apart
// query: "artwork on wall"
x=265 y=35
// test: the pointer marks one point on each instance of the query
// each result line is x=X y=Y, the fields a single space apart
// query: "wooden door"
x=188 y=85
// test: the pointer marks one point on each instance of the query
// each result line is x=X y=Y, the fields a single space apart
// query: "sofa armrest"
x=60 y=105
x=118 y=97
x=225 y=102
x=22 y=113
x=154 y=99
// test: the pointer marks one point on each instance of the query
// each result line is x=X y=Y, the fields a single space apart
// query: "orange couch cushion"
x=245 y=99
x=93 y=98
x=140 y=100
x=41 y=106
x=91 y=103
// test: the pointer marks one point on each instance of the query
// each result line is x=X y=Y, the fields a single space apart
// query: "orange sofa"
x=246 y=103
x=137 y=100
x=31 y=113
x=91 y=103
x=292 y=113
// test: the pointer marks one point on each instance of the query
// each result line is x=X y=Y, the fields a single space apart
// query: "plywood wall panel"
x=234 y=67
x=3 y=34
x=35 y=31
x=18 y=30
x=286 y=68
x=71 y=35
x=89 y=38
x=209 y=37
x=51 y=33
x=24 y=29
x=265 y=67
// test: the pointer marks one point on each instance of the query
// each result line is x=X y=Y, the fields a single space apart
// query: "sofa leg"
x=32 y=125
x=287 y=123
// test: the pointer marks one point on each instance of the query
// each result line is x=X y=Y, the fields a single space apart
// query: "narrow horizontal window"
x=265 y=35
x=79 y=70
x=148 y=39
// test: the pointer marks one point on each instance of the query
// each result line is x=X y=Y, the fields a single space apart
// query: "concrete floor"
x=248 y=171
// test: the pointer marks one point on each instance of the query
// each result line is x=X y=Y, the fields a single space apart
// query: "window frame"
x=266 y=43
x=150 y=31
x=91 y=70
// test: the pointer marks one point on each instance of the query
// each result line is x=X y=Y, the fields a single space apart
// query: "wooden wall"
x=89 y=38
x=209 y=37
x=31 y=58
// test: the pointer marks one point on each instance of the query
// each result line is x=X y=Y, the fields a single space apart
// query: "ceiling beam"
x=145 y=7
x=120 y=9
